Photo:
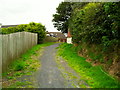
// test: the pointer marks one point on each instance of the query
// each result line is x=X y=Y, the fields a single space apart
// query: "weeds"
x=19 y=65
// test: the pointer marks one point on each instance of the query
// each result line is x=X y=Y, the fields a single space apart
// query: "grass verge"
x=93 y=75
x=23 y=66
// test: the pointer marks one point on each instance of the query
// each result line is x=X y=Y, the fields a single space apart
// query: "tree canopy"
x=62 y=16
x=95 y=22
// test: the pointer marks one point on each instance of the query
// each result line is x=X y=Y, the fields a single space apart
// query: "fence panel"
x=14 y=45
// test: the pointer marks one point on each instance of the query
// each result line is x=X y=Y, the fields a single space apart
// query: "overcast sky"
x=14 y=12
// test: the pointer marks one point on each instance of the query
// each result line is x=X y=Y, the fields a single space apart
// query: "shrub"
x=95 y=23
x=31 y=27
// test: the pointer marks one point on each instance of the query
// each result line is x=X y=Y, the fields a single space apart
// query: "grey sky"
x=25 y=11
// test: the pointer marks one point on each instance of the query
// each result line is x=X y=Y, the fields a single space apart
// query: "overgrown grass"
x=25 y=65
x=95 y=76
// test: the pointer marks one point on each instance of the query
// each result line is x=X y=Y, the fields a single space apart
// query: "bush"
x=31 y=27
x=95 y=22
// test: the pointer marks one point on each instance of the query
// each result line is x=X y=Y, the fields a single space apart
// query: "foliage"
x=62 y=16
x=64 y=13
x=98 y=25
x=95 y=76
x=95 y=21
x=31 y=27
x=19 y=65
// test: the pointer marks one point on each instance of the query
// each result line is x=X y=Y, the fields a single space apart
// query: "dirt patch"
x=110 y=61
x=115 y=70
x=89 y=60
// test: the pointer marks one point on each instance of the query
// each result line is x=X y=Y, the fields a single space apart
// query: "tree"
x=62 y=16
x=96 y=23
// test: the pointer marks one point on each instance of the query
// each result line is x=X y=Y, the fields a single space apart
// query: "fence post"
x=0 y=55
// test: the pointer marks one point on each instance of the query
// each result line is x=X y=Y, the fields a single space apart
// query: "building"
x=69 y=37
x=61 y=37
x=6 y=26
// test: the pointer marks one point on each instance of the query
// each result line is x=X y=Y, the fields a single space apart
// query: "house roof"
x=6 y=26
x=57 y=34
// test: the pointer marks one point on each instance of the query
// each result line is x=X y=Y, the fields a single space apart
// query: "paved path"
x=49 y=75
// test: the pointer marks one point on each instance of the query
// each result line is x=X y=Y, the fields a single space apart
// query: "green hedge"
x=31 y=27
x=97 y=23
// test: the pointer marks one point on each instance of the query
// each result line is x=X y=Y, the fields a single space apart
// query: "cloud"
x=25 y=11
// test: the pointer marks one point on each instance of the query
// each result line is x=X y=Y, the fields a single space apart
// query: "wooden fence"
x=14 y=45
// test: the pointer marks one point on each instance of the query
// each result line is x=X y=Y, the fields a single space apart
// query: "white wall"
x=69 y=40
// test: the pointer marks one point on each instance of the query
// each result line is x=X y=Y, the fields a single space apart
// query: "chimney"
x=69 y=35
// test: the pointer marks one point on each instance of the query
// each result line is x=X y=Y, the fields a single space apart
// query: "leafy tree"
x=95 y=27
x=94 y=21
x=62 y=16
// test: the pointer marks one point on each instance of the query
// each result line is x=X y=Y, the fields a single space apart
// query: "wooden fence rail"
x=14 y=45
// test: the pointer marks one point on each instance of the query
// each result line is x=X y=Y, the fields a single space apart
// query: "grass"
x=19 y=84
x=25 y=65
x=70 y=76
x=95 y=76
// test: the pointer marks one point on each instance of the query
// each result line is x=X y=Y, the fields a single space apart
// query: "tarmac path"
x=49 y=75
